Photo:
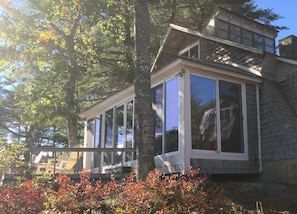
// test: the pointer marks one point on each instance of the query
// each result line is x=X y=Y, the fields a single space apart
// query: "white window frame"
x=163 y=83
x=218 y=154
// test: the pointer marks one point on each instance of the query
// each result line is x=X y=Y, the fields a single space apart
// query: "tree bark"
x=144 y=131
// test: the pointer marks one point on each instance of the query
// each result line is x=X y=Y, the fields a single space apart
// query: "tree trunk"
x=72 y=132
x=144 y=131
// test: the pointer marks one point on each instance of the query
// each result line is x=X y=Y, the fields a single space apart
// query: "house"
x=223 y=102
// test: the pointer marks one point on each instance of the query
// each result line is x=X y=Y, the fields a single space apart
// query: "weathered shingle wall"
x=278 y=123
x=289 y=83
x=252 y=122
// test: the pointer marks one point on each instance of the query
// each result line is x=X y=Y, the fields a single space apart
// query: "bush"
x=27 y=198
x=167 y=194
x=157 y=194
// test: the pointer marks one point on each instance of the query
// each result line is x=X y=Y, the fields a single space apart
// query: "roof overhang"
x=178 y=38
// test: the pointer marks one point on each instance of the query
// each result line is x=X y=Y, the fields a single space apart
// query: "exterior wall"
x=279 y=124
x=250 y=166
x=287 y=77
x=283 y=171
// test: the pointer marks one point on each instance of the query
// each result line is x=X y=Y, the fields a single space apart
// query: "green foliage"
x=60 y=57
x=12 y=155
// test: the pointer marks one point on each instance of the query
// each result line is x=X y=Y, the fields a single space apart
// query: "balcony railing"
x=73 y=160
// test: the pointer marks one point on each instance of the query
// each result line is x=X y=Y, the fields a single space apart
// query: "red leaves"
x=157 y=194
x=25 y=199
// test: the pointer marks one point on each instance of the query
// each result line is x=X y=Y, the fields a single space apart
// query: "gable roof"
x=178 y=38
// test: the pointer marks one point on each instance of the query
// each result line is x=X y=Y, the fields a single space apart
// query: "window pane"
x=235 y=30
x=203 y=113
x=235 y=34
x=247 y=37
x=231 y=117
x=235 y=38
x=108 y=135
x=194 y=52
x=223 y=25
x=223 y=34
x=158 y=107
x=259 y=41
x=129 y=132
x=98 y=121
x=120 y=139
x=97 y=142
x=269 y=45
x=172 y=112
x=247 y=34
x=223 y=29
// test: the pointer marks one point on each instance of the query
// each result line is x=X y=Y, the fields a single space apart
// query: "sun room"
x=205 y=92
x=206 y=116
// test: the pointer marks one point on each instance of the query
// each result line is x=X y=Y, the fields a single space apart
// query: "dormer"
x=227 y=25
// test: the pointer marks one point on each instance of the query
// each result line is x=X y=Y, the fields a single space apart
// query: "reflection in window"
x=108 y=135
x=97 y=141
x=98 y=121
x=203 y=113
x=231 y=117
x=204 y=118
x=129 y=132
x=158 y=107
x=238 y=34
x=172 y=112
x=120 y=138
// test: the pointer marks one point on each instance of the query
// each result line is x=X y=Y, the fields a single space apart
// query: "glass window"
x=204 y=118
x=108 y=136
x=235 y=33
x=194 y=52
x=269 y=45
x=97 y=141
x=258 y=41
x=129 y=131
x=231 y=117
x=90 y=125
x=120 y=129
x=223 y=25
x=203 y=113
x=222 y=29
x=223 y=34
x=98 y=121
x=172 y=115
x=158 y=107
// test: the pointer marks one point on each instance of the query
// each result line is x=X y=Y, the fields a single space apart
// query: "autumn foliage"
x=158 y=193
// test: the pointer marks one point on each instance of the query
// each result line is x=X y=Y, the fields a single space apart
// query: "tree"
x=65 y=55
x=11 y=156
x=144 y=131
x=54 y=59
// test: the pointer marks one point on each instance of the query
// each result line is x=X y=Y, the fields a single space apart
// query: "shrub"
x=158 y=193
x=27 y=198
x=167 y=194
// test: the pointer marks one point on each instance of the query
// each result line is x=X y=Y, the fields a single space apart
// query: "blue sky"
x=285 y=8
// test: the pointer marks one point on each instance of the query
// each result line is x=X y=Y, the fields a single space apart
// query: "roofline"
x=247 y=19
x=252 y=75
x=286 y=60
x=116 y=97
x=198 y=34
x=125 y=94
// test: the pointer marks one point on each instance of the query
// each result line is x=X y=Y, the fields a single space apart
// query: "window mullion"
x=125 y=131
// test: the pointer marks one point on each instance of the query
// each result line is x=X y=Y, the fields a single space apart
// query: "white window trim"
x=217 y=154
x=174 y=153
